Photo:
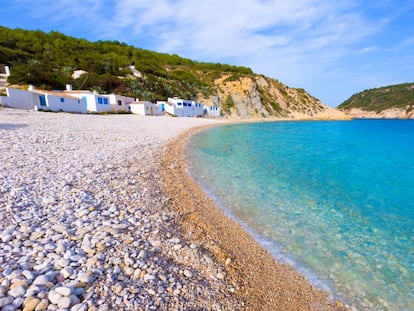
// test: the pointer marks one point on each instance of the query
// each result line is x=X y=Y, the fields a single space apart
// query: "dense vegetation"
x=48 y=60
x=379 y=99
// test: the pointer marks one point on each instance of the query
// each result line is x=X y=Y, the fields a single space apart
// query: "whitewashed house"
x=42 y=100
x=212 y=111
x=56 y=101
x=183 y=108
x=145 y=108
x=98 y=103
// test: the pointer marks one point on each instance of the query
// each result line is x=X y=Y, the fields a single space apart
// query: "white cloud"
x=300 y=42
x=368 y=49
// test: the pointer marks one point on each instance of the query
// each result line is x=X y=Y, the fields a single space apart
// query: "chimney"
x=68 y=87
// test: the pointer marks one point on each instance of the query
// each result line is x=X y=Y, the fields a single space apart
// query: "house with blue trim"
x=42 y=100
x=183 y=107
x=68 y=100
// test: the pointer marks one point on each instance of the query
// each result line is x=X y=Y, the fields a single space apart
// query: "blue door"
x=42 y=99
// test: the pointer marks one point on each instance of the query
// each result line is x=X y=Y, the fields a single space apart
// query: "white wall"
x=212 y=111
x=146 y=109
x=136 y=108
x=157 y=110
x=170 y=108
x=20 y=99
x=68 y=104
x=119 y=102
x=184 y=108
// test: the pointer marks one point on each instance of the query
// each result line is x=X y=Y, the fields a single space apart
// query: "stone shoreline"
x=87 y=224
x=261 y=282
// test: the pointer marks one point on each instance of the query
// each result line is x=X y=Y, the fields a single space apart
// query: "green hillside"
x=48 y=60
x=383 y=98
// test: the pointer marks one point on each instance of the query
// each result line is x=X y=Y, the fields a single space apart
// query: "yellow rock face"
x=258 y=97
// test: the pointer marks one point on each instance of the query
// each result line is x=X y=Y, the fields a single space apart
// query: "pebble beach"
x=89 y=220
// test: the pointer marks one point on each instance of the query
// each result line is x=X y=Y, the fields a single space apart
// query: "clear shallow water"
x=336 y=199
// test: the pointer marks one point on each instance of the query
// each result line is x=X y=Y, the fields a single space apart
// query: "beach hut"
x=183 y=108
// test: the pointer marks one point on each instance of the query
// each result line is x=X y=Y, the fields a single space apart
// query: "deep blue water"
x=335 y=199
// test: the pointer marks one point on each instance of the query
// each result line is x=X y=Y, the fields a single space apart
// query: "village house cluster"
x=85 y=101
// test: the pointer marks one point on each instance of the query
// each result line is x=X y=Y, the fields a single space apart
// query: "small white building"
x=42 y=100
x=145 y=108
x=183 y=108
x=98 y=103
x=212 y=111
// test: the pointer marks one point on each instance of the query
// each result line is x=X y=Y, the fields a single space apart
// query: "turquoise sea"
x=334 y=199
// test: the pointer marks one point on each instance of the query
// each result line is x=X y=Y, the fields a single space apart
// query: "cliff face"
x=256 y=96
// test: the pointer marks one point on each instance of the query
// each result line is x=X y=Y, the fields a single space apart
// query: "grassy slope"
x=383 y=98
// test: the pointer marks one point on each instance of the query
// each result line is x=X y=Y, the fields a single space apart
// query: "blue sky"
x=332 y=49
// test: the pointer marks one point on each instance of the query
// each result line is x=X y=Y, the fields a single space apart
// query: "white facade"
x=145 y=108
x=119 y=102
x=102 y=103
x=19 y=99
x=42 y=100
x=60 y=102
x=212 y=111
x=183 y=108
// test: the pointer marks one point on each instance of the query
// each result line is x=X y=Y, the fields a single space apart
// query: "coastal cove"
x=260 y=281
x=332 y=198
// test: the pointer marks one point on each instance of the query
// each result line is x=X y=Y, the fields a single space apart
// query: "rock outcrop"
x=260 y=97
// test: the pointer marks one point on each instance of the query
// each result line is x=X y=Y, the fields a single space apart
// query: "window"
x=62 y=100
x=100 y=100
x=185 y=104
x=178 y=104
x=119 y=103
x=189 y=105
x=105 y=101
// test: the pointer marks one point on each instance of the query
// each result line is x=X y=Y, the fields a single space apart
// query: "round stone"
x=188 y=273
x=64 y=291
x=54 y=297
x=43 y=305
x=18 y=291
x=64 y=302
x=30 y=303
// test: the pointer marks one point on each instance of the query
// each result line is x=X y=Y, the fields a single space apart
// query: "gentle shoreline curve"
x=263 y=283
x=86 y=224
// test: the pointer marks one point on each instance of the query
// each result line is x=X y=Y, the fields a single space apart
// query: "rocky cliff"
x=257 y=96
